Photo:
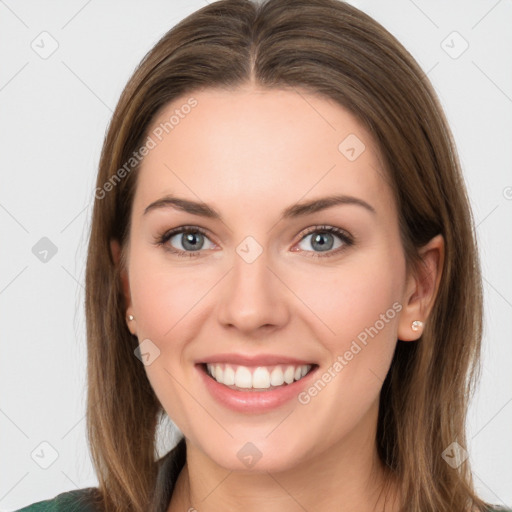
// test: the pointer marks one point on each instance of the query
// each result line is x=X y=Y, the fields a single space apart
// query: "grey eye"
x=189 y=240
x=322 y=241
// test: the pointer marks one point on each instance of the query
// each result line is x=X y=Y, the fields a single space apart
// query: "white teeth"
x=229 y=376
x=243 y=377
x=289 y=374
x=261 y=377
x=276 y=377
x=218 y=372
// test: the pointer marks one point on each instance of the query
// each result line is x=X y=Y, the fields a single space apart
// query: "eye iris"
x=319 y=238
x=190 y=237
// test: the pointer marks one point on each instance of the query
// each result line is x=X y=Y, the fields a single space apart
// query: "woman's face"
x=264 y=287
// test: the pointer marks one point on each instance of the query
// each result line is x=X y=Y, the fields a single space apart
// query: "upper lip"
x=254 y=360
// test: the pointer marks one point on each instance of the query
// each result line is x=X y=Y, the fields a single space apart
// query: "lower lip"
x=254 y=401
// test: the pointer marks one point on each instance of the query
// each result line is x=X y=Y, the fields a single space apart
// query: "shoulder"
x=78 y=500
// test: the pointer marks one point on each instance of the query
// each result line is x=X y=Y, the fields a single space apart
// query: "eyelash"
x=164 y=238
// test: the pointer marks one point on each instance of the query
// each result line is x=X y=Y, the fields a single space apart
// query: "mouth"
x=256 y=378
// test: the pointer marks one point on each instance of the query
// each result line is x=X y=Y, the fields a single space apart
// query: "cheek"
x=349 y=299
x=359 y=306
x=165 y=299
x=356 y=308
x=163 y=295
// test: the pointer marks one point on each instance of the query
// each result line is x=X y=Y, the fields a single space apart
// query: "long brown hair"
x=329 y=48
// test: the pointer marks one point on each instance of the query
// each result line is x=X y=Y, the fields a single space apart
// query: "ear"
x=115 y=250
x=421 y=289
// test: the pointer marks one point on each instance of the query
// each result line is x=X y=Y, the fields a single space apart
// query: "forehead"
x=245 y=146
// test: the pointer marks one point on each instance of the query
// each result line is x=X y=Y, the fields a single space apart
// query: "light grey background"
x=53 y=117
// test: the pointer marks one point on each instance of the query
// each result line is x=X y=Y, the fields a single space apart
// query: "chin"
x=256 y=456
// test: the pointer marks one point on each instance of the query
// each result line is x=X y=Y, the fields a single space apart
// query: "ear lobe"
x=422 y=287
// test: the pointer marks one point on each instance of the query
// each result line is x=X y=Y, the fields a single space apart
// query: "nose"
x=253 y=297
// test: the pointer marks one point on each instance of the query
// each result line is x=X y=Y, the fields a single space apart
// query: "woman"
x=282 y=261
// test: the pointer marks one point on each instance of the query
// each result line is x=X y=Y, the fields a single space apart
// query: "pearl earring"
x=416 y=325
x=131 y=317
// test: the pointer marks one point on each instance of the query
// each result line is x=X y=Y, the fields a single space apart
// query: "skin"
x=251 y=153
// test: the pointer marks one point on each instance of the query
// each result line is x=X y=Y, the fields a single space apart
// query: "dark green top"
x=71 y=501
x=82 y=500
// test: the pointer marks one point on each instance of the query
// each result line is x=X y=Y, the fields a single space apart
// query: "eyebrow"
x=294 y=211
